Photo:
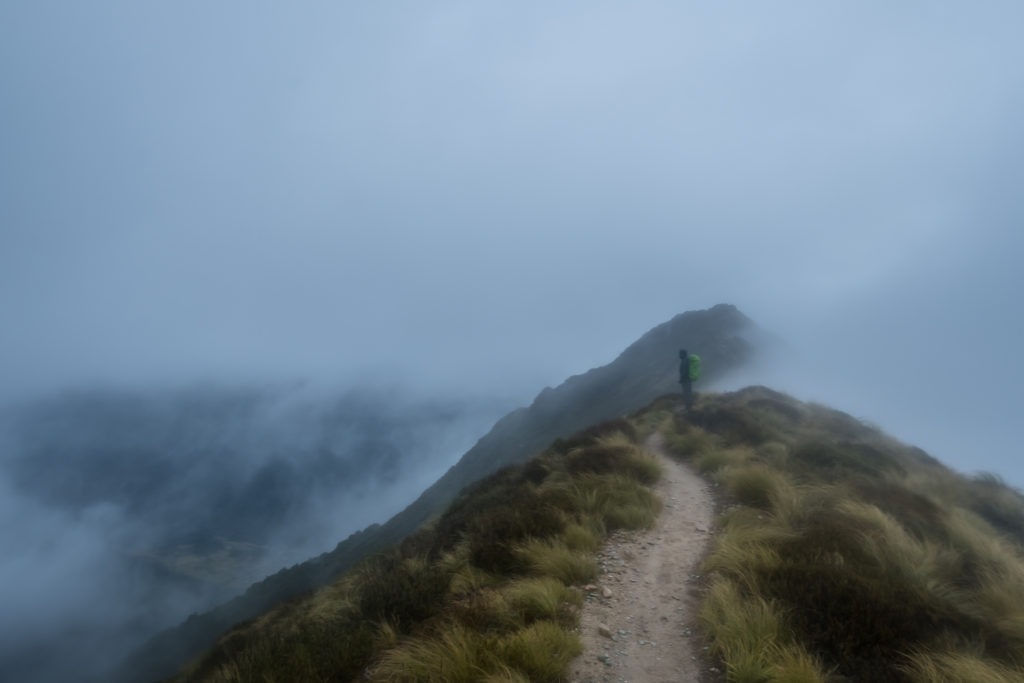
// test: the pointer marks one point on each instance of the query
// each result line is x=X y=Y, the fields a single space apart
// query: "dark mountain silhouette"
x=646 y=369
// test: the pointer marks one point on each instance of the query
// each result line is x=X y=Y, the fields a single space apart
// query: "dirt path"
x=639 y=621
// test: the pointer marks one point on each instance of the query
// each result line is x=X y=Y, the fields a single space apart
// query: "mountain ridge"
x=838 y=553
x=645 y=369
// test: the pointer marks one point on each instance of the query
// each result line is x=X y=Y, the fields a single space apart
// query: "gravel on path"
x=639 y=621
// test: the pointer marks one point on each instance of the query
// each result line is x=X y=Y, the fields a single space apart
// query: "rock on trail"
x=639 y=622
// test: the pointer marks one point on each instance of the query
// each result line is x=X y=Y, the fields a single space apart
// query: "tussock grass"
x=998 y=504
x=655 y=419
x=555 y=559
x=746 y=548
x=541 y=598
x=688 y=441
x=542 y=651
x=403 y=591
x=748 y=631
x=793 y=664
x=616 y=501
x=584 y=538
x=754 y=485
x=487 y=611
x=469 y=579
x=484 y=593
x=957 y=667
x=774 y=453
x=716 y=460
x=844 y=551
x=615 y=454
x=454 y=655
x=505 y=675
x=466 y=578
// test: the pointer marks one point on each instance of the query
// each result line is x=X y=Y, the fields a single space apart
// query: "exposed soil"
x=639 y=621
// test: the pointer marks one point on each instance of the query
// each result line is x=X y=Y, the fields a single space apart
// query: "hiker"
x=689 y=372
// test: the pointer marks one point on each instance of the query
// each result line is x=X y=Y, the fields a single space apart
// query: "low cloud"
x=123 y=512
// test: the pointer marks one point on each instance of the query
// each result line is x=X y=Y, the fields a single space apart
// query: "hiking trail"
x=639 y=620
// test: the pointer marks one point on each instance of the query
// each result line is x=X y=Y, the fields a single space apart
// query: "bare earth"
x=639 y=622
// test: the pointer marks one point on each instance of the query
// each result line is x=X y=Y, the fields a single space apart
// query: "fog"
x=465 y=202
x=123 y=512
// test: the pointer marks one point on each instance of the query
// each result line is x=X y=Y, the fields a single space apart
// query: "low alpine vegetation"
x=845 y=555
x=840 y=555
x=487 y=592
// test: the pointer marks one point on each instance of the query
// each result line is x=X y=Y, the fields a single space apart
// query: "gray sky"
x=489 y=197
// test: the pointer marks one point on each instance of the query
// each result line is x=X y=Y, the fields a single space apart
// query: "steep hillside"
x=839 y=554
x=646 y=369
x=845 y=555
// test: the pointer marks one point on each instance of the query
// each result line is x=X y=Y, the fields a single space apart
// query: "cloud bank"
x=470 y=198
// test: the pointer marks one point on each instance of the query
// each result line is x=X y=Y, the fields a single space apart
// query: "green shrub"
x=491 y=491
x=495 y=533
x=402 y=592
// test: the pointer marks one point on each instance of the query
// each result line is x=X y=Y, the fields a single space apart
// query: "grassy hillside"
x=643 y=371
x=844 y=555
x=841 y=555
x=485 y=592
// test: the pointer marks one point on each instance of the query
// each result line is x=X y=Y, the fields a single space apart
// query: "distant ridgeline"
x=648 y=368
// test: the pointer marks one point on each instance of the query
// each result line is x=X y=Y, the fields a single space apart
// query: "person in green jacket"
x=689 y=372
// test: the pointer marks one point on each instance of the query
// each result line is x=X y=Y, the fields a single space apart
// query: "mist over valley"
x=125 y=511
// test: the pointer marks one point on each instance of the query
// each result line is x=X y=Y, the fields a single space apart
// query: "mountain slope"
x=840 y=554
x=845 y=555
x=646 y=369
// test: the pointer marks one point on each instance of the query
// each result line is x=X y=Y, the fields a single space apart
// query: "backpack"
x=694 y=367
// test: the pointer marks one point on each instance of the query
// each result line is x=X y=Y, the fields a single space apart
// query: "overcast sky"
x=488 y=197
